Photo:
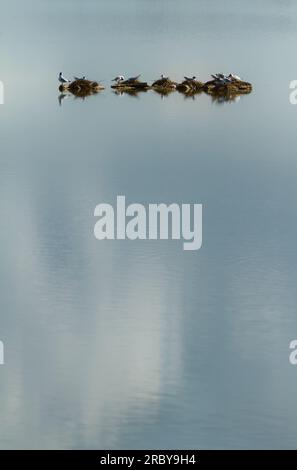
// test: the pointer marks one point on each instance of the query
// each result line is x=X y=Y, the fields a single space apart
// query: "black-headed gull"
x=133 y=79
x=234 y=77
x=118 y=79
x=63 y=79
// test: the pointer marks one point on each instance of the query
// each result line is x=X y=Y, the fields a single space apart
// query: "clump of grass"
x=130 y=86
x=190 y=87
x=237 y=87
x=164 y=85
x=82 y=88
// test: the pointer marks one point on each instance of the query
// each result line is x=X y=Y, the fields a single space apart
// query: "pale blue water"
x=140 y=344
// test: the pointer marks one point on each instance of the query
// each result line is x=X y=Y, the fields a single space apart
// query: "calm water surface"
x=140 y=344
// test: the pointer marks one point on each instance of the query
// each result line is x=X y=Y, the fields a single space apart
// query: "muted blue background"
x=140 y=344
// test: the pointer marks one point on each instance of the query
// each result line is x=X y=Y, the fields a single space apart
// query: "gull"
x=190 y=79
x=63 y=79
x=132 y=79
x=80 y=78
x=227 y=80
x=216 y=77
x=234 y=77
x=162 y=81
x=119 y=78
x=219 y=76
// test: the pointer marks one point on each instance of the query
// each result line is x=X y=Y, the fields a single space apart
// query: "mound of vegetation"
x=164 y=85
x=236 y=87
x=130 y=85
x=190 y=87
x=82 y=87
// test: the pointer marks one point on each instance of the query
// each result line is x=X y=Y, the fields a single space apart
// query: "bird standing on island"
x=162 y=81
x=118 y=79
x=218 y=76
x=132 y=79
x=63 y=79
x=234 y=77
x=80 y=78
x=190 y=79
x=222 y=78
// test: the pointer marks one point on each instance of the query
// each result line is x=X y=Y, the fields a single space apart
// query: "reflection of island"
x=131 y=92
x=190 y=86
x=163 y=93
x=225 y=99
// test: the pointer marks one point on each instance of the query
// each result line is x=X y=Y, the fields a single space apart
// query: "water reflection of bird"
x=63 y=79
x=131 y=93
x=189 y=96
x=221 y=100
x=61 y=97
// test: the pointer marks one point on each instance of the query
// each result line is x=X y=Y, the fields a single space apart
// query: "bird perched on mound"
x=63 y=79
x=131 y=82
x=132 y=79
x=190 y=86
x=190 y=79
x=118 y=79
x=234 y=77
x=164 y=82
x=224 y=79
x=221 y=78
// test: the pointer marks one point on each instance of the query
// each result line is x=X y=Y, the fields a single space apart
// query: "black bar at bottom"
x=137 y=458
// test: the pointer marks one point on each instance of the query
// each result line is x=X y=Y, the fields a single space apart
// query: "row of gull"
x=224 y=79
x=220 y=78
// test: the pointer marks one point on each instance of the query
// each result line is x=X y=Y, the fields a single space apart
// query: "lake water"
x=122 y=344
